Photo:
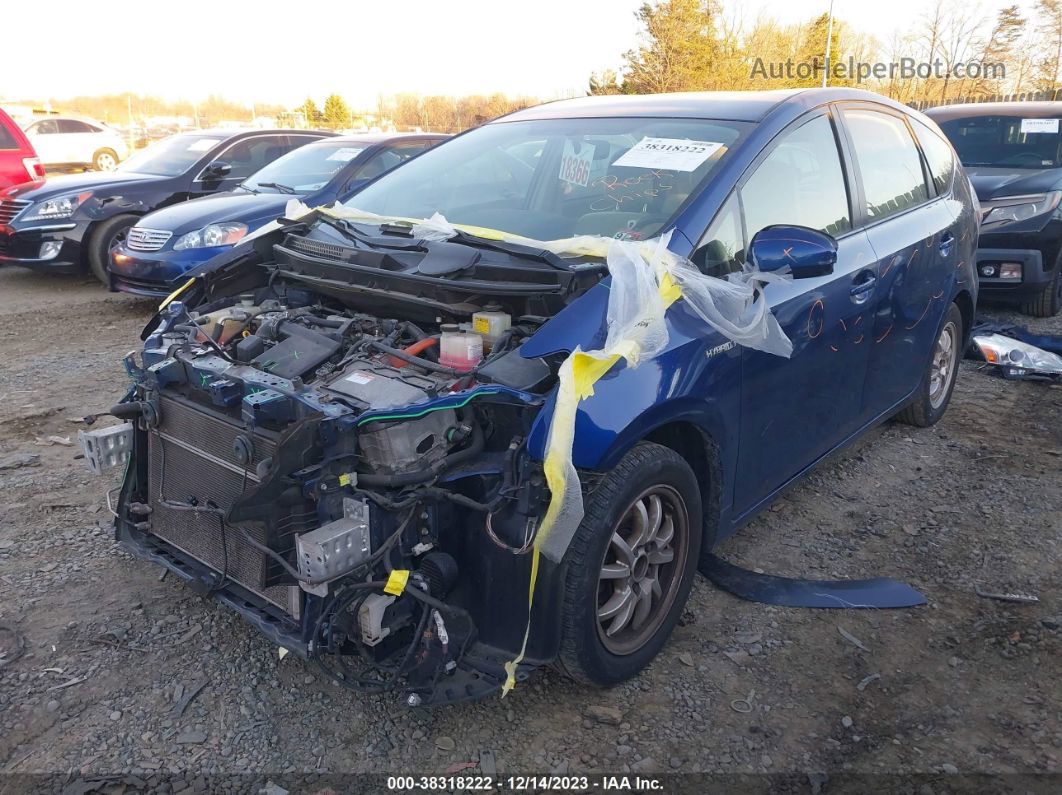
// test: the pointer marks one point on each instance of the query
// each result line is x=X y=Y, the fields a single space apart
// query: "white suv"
x=69 y=141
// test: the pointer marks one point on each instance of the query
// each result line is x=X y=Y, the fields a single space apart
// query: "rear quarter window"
x=939 y=156
x=7 y=138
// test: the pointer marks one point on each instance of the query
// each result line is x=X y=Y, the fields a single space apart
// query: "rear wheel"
x=1049 y=300
x=938 y=381
x=105 y=160
x=630 y=566
x=103 y=238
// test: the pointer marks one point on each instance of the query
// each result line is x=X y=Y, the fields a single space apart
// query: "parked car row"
x=1012 y=152
x=125 y=229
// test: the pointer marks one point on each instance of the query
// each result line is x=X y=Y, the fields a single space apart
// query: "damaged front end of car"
x=328 y=434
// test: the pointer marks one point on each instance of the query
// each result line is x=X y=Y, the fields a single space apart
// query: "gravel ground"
x=966 y=684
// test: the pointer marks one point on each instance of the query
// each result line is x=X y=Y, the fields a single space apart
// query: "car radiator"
x=191 y=459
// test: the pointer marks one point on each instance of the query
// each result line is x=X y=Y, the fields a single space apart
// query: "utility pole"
x=829 y=38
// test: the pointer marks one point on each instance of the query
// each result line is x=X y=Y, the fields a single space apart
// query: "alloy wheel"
x=641 y=570
x=106 y=162
x=942 y=367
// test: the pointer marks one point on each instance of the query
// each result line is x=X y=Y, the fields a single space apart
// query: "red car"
x=18 y=162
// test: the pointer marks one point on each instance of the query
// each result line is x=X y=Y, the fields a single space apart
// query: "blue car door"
x=795 y=410
x=913 y=234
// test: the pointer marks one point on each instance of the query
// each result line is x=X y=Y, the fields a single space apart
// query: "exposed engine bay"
x=342 y=457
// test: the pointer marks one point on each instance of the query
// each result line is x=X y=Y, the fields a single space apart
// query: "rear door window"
x=73 y=126
x=46 y=127
x=801 y=182
x=251 y=154
x=888 y=163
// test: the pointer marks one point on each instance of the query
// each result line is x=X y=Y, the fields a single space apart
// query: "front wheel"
x=104 y=238
x=1048 y=301
x=938 y=380
x=630 y=566
x=105 y=160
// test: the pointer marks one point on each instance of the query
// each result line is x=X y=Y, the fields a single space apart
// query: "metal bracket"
x=106 y=448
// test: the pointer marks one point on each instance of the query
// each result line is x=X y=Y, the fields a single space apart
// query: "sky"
x=280 y=52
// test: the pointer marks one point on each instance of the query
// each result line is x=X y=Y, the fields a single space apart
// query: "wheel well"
x=702 y=454
x=966 y=307
x=93 y=229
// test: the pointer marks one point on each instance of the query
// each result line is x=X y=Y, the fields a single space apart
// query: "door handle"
x=946 y=242
x=863 y=285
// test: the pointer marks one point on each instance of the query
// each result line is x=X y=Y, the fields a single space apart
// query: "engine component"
x=379 y=386
x=491 y=323
x=513 y=370
x=303 y=350
x=335 y=548
x=371 y=616
x=408 y=445
x=458 y=349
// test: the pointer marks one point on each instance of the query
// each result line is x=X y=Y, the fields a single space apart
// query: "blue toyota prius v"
x=562 y=355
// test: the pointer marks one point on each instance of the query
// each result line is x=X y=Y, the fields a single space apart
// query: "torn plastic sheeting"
x=646 y=279
x=882 y=592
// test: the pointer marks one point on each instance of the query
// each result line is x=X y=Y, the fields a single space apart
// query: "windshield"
x=305 y=169
x=555 y=178
x=1004 y=141
x=170 y=156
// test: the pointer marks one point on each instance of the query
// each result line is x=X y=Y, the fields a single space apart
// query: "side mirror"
x=219 y=169
x=806 y=252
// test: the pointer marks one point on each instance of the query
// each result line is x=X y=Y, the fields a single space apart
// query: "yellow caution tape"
x=396 y=582
x=166 y=301
x=576 y=379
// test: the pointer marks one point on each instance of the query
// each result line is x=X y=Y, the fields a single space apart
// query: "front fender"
x=696 y=379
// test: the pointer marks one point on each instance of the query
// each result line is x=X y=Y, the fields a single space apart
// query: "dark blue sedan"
x=493 y=412
x=165 y=244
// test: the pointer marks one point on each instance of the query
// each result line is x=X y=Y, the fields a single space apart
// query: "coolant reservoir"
x=459 y=349
x=231 y=319
x=491 y=323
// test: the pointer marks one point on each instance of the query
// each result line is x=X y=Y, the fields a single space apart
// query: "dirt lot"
x=966 y=684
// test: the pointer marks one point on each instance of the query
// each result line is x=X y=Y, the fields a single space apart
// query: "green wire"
x=425 y=411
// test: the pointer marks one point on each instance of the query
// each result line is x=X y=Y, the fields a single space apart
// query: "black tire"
x=107 y=234
x=105 y=160
x=932 y=399
x=648 y=471
x=1049 y=300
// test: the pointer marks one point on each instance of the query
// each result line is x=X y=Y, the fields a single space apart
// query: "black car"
x=168 y=242
x=1012 y=152
x=70 y=223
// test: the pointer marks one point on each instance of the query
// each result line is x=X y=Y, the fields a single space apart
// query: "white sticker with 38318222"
x=575 y=166
x=675 y=154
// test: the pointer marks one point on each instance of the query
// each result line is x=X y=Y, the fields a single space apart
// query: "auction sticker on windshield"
x=575 y=166
x=345 y=155
x=675 y=154
x=201 y=144
x=1039 y=125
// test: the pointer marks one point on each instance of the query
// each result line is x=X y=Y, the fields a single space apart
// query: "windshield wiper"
x=525 y=251
x=247 y=188
x=278 y=186
x=464 y=238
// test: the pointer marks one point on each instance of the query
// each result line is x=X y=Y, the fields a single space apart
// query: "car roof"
x=223 y=133
x=751 y=106
x=1031 y=110
x=381 y=138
